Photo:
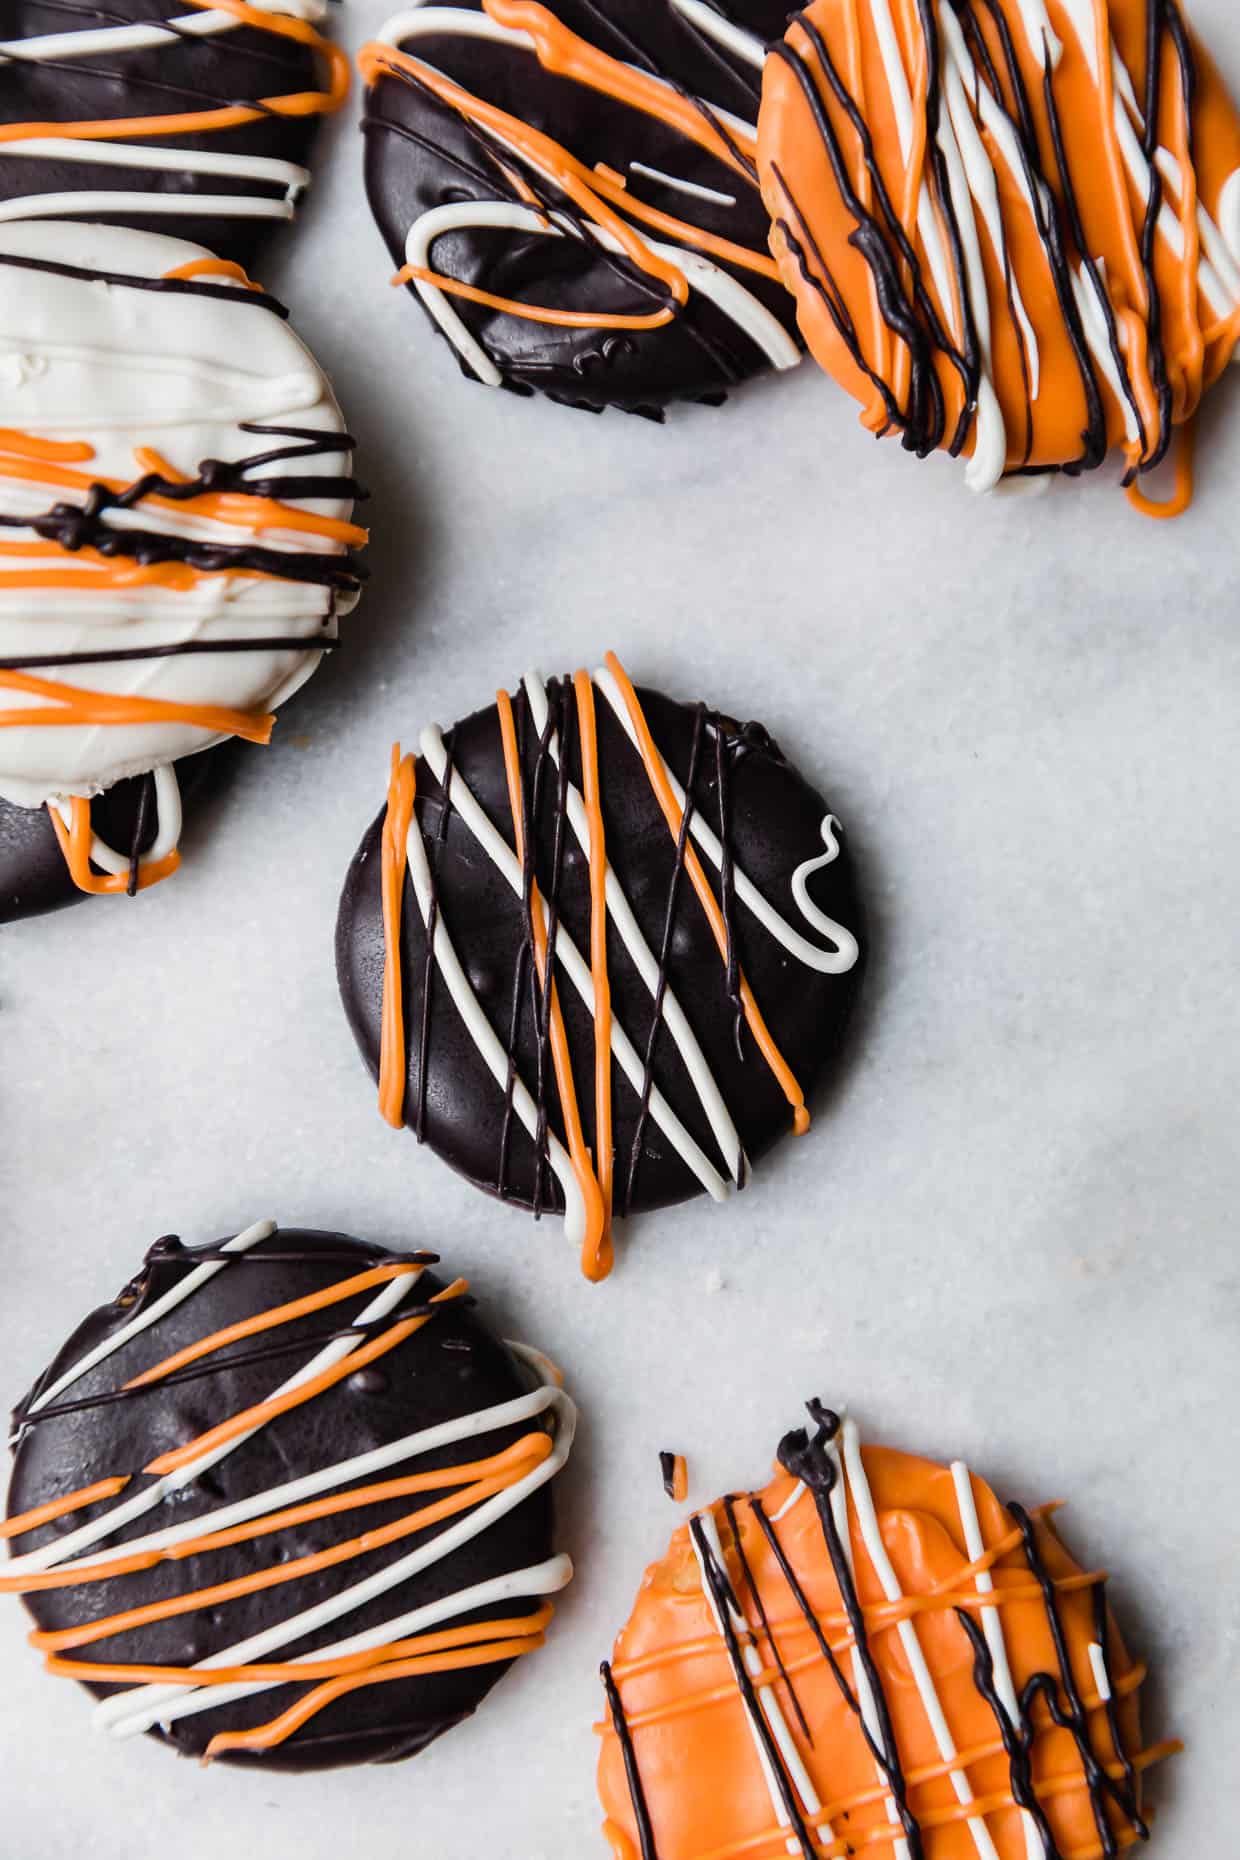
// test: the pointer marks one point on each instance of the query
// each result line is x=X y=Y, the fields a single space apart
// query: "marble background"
x=1011 y=1239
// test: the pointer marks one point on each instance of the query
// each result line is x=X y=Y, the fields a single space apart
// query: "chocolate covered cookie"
x=571 y=191
x=599 y=948
x=871 y=1656
x=1012 y=227
x=194 y=119
x=176 y=534
x=285 y=1502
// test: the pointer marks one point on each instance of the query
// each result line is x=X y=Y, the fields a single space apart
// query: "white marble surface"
x=1012 y=1238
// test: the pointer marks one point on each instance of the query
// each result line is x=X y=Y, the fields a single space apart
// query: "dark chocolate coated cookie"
x=292 y=1449
x=571 y=192
x=702 y=988
x=242 y=87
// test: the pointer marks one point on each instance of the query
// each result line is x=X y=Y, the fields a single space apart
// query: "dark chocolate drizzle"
x=641 y=1812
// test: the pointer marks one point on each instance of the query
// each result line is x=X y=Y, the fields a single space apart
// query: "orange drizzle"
x=58 y=1507
x=526 y=1636
x=69 y=707
x=600 y=1263
x=680 y=1479
x=1182 y=496
x=214 y=268
x=595 y=1256
x=59 y=451
x=533 y=313
x=395 y=853
x=233 y=116
x=673 y=814
x=76 y=841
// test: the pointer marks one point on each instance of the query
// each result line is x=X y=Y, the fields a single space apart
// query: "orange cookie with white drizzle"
x=285 y=1501
x=872 y=1656
x=599 y=949
x=176 y=534
x=1012 y=227
x=190 y=116
x=570 y=190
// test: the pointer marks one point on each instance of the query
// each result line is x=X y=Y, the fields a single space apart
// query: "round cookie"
x=872 y=1655
x=572 y=194
x=705 y=961
x=1012 y=270
x=287 y=1450
x=176 y=543
x=194 y=119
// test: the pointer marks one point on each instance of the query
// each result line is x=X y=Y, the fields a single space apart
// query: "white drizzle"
x=126 y=1713
x=884 y=1569
x=992 y=1628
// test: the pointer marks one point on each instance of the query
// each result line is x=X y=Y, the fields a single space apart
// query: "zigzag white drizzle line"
x=768 y=1703
x=143 y=36
x=493 y=1052
x=823 y=961
x=168 y=832
x=876 y=1550
x=57 y=1552
x=749 y=314
x=992 y=1628
x=127 y=1713
x=643 y=959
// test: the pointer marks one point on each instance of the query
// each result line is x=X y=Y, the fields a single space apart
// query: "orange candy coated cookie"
x=1011 y=232
x=872 y=1656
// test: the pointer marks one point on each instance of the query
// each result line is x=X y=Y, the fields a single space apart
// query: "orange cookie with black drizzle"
x=1012 y=227
x=286 y=1502
x=871 y=1656
x=570 y=190
x=599 y=949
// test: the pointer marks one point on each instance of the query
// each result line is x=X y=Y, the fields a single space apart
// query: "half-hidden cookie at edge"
x=571 y=192
x=1010 y=232
x=871 y=1656
x=705 y=957
x=286 y=1502
x=176 y=534
x=189 y=117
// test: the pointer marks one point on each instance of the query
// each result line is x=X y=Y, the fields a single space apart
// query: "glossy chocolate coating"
x=774 y=825
x=192 y=73
x=421 y=154
x=450 y=1368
